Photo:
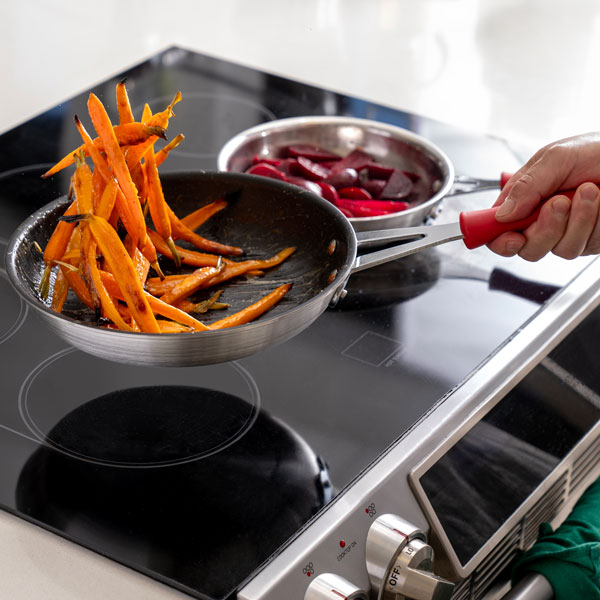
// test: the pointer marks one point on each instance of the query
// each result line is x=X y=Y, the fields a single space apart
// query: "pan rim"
x=425 y=145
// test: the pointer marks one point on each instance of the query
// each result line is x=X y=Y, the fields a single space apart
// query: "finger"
x=508 y=244
x=543 y=235
x=538 y=181
x=582 y=221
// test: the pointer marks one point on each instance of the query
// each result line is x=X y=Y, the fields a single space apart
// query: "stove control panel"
x=329 y=587
x=400 y=563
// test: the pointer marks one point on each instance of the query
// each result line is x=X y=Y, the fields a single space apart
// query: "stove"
x=438 y=378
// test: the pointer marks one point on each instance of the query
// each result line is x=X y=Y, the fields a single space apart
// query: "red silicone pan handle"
x=480 y=226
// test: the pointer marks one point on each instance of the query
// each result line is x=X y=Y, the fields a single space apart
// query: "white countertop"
x=524 y=70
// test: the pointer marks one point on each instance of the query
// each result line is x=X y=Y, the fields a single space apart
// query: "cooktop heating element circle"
x=204 y=138
x=159 y=418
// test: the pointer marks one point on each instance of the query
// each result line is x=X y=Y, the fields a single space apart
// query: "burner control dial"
x=400 y=562
x=333 y=587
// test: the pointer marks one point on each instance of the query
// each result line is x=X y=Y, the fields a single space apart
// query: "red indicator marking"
x=339 y=594
x=308 y=573
x=342 y=544
x=367 y=510
x=402 y=534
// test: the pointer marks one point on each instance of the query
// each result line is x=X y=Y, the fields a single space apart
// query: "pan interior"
x=263 y=217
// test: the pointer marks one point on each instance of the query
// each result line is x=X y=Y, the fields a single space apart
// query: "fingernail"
x=506 y=208
x=589 y=193
x=560 y=206
x=513 y=247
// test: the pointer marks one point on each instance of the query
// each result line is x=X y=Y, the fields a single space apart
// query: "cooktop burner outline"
x=30 y=419
x=161 y=101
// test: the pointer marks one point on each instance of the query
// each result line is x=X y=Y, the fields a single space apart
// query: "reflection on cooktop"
x=205 y=523
x=392 y=282
x=204 y=137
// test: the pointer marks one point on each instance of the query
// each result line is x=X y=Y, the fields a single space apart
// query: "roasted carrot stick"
x=188 y=257
x=60 y=291
x=122 y=267
x=162 y=154
x=78 y=286
x=56 y=248
x=107 y=199
x=202 y=214
x=82 y=186
x=159 y=211
x=232 y=270
x=126 y=212
x=254 y=310
x=189 y=284
x=105 y=131
x=171 y=327
x=130 y=134
x=161 y=119
x=123 y=105
x=180 y=231
x=157 y=305
x=109 y=308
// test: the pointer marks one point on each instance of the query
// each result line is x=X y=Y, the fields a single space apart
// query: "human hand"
x=567 y=228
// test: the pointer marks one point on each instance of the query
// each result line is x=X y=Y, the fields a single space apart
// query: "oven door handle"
x=533 y=586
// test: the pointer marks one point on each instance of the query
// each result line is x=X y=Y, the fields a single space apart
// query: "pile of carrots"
x=118 y=223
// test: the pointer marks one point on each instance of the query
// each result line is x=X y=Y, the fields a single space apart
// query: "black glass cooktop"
x=196 y=476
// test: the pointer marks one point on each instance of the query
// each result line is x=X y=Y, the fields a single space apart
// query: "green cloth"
x=570 y=556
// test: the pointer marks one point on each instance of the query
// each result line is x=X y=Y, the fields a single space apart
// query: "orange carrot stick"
x=60 y=291
x=157 y=305
x=123 y=105
x=180 y=231
x=122 y=267
x=189 y=284
x=56 y=247
x=188 y=257
x=254 y=310
x=159 y=211
x=202 y=214
x=162 y=154
x=105 y=131
x=130 y=134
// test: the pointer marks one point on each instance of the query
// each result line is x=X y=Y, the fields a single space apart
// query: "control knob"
x=400 y=562
x=333 y=587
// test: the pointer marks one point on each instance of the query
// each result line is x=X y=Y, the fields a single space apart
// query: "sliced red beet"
x=377 y=171
x=375 y=187
x=356 y=208
x=357 y=159
x=398 y=186
x=346 y=212
x=256 y=159
x=311 y=186
x=313 y=153
x=355 y=193
x=266 y=170
x=311 y=170
x=346 y=177
x=386 y=205
x=412 y=176
x=328 y=192
x=288 y=166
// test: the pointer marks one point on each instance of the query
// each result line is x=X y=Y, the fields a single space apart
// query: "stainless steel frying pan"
x=266 y=216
